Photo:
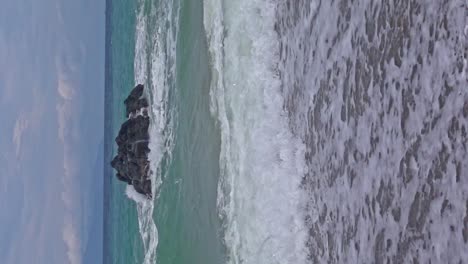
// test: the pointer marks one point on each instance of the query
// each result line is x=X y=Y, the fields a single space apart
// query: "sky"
x=51 y=131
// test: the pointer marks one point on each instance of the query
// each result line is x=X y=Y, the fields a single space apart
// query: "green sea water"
x=123 y=242
x=189 y=230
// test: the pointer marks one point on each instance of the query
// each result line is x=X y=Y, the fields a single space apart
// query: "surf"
x=154 y=66
x=262 y=163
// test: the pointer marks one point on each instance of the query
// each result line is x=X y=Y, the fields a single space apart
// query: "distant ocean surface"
x=291 y=131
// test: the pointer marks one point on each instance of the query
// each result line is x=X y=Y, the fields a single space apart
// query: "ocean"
x=161 y=44
x=291 y=131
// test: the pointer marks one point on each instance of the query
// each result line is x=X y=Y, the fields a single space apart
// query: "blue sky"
x=51 y=127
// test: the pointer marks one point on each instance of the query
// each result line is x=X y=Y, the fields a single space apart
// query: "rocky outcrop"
x=131 y=162
x=135 y=102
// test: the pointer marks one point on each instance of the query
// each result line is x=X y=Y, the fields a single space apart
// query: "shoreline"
x=383 y=144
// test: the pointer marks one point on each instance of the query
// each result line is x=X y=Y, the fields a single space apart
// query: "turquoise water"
x=121 y=223
x=189 y=230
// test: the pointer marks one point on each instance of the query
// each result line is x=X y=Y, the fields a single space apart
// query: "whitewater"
x=154 y=66
x=262 y=163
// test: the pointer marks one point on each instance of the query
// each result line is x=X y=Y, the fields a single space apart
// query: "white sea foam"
x=145 y=207
x=157 y=75
x=134 y=195
x=262 y=163
x=374 y=147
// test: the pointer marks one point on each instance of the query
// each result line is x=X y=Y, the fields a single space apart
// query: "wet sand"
x=378 y=92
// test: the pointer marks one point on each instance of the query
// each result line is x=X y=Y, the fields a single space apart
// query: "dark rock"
x=134 y=102
x=131 y=162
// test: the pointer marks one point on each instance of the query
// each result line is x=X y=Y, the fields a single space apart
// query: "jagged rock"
x=134 y=102
x=131 y=162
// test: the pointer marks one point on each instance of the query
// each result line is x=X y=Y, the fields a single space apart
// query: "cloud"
x=64 y=89
x=70 y=182
x=67 y=118
x=72 y=242
x=63 y=118
x=65 y=81
x=28 y=120
x=22 y=123
x=70 y=193
x=42 y=96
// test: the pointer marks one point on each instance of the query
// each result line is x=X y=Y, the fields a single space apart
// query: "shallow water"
x=378 y=93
